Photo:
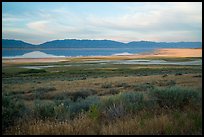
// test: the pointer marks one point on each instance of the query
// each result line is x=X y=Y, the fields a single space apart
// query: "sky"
x=38 y=22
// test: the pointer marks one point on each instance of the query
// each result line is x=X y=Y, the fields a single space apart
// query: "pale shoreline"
x=165 y=52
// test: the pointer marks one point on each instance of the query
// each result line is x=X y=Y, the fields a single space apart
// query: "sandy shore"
x=178 y=52
x=168 y=52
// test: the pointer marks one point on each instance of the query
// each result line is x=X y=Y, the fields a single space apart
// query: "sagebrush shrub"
x=83 y=104
x=61 y=111
x=12 y=109
x=40 y=93
x=115 y=111
x=44 y=109
x=134 y=101
x=119 y=105
x=174 y=97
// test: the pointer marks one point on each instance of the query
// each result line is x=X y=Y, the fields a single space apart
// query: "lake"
x=73 y=52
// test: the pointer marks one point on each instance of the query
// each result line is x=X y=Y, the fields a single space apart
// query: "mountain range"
x=74 y=43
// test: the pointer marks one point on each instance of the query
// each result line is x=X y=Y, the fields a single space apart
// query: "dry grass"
x=137 y=126
x=143 y=123
x=81 y=125
x=95 y=83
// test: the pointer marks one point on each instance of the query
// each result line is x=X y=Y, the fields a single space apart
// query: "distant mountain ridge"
x=74 y=43
x=10 y=43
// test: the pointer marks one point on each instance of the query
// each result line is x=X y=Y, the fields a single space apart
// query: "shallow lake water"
x=145 y=62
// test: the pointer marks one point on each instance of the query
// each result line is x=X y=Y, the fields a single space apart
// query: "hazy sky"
x=37 y=22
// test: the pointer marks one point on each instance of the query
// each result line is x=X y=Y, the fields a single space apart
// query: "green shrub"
x=83 y=104
x=61 y=96
x=150 y=104
x=113 y=107
x=120 y=104
x=66 y=101
x=174 y=97
x=199 y=76
x=33 y=71
x=115 y=111
x=110 y=100
x=45 y=89
x=62 y=111
x=40 y=93
x=134 y=101
x=14 y=93
x=12 y=109
x=44 y=109
x=94 y=112
x=171 y=83
x=71 y=109
x=83 y=93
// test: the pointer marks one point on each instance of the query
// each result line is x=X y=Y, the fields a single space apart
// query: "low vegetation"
x=175 y=97
x=103 y=111
x=101 y=100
